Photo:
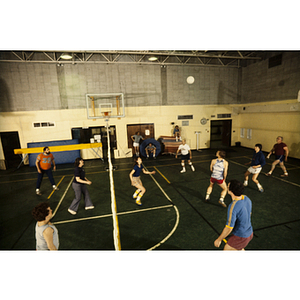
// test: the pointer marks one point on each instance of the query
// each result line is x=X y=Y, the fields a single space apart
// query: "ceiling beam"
x=164 y=53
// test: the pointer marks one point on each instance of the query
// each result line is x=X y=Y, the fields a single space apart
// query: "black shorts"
x=185 y=157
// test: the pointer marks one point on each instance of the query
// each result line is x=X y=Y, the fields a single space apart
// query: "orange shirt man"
x=43 y=164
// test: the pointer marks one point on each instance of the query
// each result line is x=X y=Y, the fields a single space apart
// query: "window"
x=43 y=124
x=242 y=132
x=249 y=134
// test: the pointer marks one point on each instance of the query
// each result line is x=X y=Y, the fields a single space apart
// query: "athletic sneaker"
x=261 y=189
x=89 y=207
x=222 y=203
x=284 y=175
x=192 y=167
x=55 y=187
x=72 y=211
x=245 y=183
x=269 y=174
x=138 y=202
x=182 y=171
x=38 y=193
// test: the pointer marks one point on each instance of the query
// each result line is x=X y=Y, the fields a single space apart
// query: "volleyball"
x=190 y=80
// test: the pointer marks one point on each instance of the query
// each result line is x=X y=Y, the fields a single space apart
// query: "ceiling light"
x=152 y=58
x=66 y=56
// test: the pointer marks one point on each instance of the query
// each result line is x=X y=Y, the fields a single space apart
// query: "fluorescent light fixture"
x=152 y=58
x=66 y=56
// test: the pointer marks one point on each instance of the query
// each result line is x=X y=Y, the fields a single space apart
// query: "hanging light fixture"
x=66 y=56
x=152 y=58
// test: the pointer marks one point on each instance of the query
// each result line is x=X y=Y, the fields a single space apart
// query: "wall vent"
x=224 y=116
x=43 y=124
x=275 y=61
x=185 y=117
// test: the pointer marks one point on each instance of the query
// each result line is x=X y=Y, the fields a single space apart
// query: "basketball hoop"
x=106 y=114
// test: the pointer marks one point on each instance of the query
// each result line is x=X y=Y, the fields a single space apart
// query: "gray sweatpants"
x=80 y=189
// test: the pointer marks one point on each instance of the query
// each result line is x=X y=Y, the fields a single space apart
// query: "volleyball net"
x=116 y=231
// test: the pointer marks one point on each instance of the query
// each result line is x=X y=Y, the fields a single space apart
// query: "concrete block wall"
x=37 y=86
x=260 y=83
x=212 y=85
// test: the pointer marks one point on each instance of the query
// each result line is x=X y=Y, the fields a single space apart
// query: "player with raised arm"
x=136 y=180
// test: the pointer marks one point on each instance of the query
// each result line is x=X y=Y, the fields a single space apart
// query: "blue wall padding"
x=145 y=143
x=61 y=157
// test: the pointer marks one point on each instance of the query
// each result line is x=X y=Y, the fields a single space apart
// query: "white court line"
x=109 y=215
x=177 y=214
x=266 y=173
x=62 y=198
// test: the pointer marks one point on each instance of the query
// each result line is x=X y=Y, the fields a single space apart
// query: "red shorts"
x=214 y=180
x=239 y=243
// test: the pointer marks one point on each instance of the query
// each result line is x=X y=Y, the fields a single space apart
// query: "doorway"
x=146 y=131
x=220 y=134
x=84 y=135
x=10 y=141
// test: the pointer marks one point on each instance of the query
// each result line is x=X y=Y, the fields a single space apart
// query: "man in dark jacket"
x=256 y=164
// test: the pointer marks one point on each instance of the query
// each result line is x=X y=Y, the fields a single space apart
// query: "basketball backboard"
x=100 y=105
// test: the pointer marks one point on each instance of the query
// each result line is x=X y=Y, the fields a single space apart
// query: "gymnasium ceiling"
x=230 y=58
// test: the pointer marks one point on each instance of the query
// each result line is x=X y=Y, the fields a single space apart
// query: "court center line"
x=57 y=186
x=109 y=215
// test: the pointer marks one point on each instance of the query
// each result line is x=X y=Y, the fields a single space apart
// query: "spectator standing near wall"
x=136 y=142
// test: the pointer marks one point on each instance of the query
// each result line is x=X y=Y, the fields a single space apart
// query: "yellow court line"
x=162 y=175
x=57 y=186
x=63 y=196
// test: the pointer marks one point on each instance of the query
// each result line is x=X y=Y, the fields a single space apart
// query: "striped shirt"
x=218 y=170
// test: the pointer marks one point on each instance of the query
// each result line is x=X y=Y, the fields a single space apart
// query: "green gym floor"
x=174 y=215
